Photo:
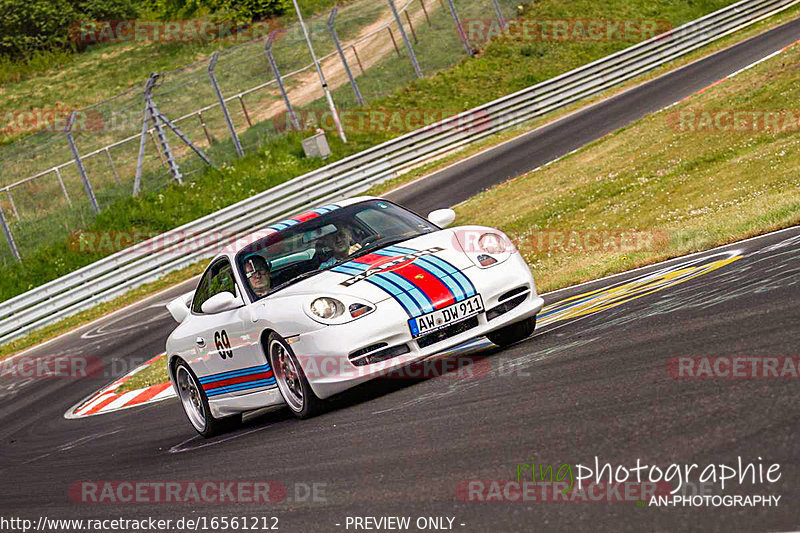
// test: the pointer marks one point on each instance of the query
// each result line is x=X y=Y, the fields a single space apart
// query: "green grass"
x=152 y=375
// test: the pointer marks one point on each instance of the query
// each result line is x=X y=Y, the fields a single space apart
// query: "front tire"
x=291 y=379
x=512 y=333
x=195 y=404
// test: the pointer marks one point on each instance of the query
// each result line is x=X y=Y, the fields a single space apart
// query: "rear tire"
x=195 y=404
x=291 y=379
x=512 y=333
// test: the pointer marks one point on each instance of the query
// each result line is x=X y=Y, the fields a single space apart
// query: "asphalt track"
x=595 y=385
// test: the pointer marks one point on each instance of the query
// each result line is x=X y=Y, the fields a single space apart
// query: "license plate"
x=447 y=316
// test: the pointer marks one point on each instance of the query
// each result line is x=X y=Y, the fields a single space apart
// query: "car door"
x=222 y=342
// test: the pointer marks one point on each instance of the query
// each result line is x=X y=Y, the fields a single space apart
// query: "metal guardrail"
x=174 y=249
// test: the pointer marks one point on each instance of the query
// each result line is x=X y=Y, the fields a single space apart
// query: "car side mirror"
x=179 y=309
x=223 y=301
x=442 y=217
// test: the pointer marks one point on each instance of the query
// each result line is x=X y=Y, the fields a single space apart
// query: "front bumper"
x=324 y=354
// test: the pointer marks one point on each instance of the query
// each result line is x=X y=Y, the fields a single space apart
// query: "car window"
x=323 y=241
x=217 y=279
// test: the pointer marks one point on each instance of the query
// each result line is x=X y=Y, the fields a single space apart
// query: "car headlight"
x=492 y=243
x=327 y=308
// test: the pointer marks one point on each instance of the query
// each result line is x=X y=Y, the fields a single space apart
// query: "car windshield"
x=320 y=243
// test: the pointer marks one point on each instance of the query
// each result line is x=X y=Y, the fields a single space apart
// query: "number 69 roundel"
x=223 y=344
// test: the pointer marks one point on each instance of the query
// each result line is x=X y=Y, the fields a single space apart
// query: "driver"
x=337 y=246
x=256 y=270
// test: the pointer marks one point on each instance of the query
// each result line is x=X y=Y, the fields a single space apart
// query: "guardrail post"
x=405 y=38
x=335 y=38
x=275 y=72
x=86 y=183
x=461 y=33
x=222 y=104
x=9 y=237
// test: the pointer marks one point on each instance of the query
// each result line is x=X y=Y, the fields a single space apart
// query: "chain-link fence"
x=53 y=182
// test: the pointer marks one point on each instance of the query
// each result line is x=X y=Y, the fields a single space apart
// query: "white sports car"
x=328 y=299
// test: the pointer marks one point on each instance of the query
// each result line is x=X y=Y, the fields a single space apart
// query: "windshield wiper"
x=297 y=278
x=382 y=243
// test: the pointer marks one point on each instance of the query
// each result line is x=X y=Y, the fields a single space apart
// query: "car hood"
x=429 y=266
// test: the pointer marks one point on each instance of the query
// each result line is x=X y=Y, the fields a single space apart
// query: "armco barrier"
x=129 y=268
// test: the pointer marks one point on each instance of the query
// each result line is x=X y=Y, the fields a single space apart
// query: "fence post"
x=9 y=237
x=79 y=163
x=499 y=12
x=411 y=25
x=63 y=187
x=203 y=125
x=358 y=59
x=322 y=81
x=335 y=38
x=405 y=38
x=394 y=42
x=244 y=110
x=461 y=33
x=142 y=145
x=425 y=10
x=222 y=104
x=13 y=205
x=112 y=165
x=277 y=74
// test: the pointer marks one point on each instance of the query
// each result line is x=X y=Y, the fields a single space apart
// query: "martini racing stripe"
x=450 y=271
x=456 y=289
x=314 y=213
x=237 y=380
x=422 y=285
x=413 y=302
x=434 y=288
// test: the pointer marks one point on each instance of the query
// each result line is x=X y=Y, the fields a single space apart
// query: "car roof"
x=293 y=220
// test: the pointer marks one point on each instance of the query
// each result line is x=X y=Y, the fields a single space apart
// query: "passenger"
x=336 y=247
x=257 y=272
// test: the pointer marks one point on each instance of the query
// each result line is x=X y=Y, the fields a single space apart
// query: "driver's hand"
x=353 y=249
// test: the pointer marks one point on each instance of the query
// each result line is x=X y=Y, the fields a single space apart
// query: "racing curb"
x=107 y=400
